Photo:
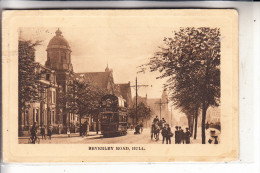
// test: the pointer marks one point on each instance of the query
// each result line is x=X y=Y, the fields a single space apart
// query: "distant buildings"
x=159 y=106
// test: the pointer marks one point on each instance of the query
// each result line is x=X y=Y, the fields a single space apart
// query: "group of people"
x=165 y=129
x=167 y=134
x=159 y=122
x=182 y=137
x=84 y=128
x=42 y=132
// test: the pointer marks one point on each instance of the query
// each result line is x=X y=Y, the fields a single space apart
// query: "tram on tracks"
x=113 y=116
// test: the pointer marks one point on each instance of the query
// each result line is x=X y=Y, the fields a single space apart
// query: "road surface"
x=130 y=138
x=93 y=138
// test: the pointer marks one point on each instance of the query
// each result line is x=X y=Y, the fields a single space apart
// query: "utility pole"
x=160 y=103
x=136 y=94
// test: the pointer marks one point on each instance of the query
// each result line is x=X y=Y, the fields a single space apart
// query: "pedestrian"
x=164 y=134
x=141 y=127
x=182 y=137
x=169 y=134
x=68 y=132
x=187 y=136
x=213 y=139
x=137 y=129
x=43 y=132
x=49 y=132
x=177 y=136
x=34 y=132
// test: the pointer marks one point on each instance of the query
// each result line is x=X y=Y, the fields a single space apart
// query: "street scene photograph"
x=119 y=82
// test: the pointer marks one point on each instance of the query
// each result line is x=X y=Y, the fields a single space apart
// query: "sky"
x=123 y=50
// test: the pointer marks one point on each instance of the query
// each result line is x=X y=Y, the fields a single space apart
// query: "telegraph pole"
x=160 y=103
x=136 y=94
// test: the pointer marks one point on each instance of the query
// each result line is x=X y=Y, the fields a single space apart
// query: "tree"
x=81 y=98
x=27 y=78
x=191 y=63
x=144 y=112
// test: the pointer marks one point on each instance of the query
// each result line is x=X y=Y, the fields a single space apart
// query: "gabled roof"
x=99 y=79
x=125 y=90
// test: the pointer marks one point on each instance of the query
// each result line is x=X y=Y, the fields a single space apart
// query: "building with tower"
x=59 y=59
x=56 y=78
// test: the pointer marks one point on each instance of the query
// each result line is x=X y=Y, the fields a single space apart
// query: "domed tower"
x=59 y=59
x=59 y=53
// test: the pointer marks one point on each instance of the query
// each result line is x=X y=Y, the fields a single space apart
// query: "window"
x=49 y=117
x=45 y=118
x=27 y=117
x=53 y=118
x=37 y=115
x=47 y=76
x=33 y=115
x=54 y=96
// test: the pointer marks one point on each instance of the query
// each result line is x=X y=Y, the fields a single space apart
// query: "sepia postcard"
x=120 y=85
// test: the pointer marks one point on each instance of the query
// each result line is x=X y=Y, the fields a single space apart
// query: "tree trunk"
x=80 y=126
x=191 y=128
x=204 y=111
x=190 y=123
x=196 y=123
x=97 y=127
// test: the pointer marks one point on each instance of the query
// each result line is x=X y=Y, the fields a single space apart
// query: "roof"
x=124 y=90
x=58 y=41
x=99 y=79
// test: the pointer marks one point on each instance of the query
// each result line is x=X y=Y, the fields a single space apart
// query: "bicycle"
x=37 y=140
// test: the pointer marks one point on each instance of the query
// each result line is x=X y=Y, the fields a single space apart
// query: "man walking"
x=187 y=136
x=49 y=132
x=177 y=136
x=43 y=132
x=181 y=133
x=169 y=134
x=33 y=132
x=164 y=134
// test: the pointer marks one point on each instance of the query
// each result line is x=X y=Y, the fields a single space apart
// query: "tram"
x=113 y=116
